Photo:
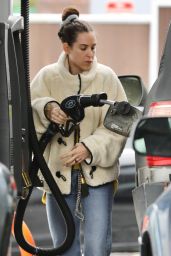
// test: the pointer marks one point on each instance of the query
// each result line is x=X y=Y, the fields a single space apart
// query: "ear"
x=66 y=48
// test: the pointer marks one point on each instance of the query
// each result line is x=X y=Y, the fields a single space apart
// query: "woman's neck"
x=72 y=68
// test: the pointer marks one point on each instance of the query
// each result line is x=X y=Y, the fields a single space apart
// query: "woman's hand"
x=78 y=154
x=55 y=114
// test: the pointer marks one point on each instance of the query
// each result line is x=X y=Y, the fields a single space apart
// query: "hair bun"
x=68 y=12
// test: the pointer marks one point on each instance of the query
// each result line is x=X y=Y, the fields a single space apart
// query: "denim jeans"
x=97 y=225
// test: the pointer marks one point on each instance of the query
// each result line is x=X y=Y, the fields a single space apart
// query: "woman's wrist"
x=49 y=107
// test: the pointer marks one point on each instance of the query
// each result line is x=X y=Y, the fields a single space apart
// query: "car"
x=157 y=221
x=157 y=217
x=152 y=144
x=7 y=205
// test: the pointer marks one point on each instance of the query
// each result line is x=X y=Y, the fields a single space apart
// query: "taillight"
x=159 y=109
x=158 y=161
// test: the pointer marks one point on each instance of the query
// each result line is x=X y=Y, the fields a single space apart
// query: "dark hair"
x=72 y=26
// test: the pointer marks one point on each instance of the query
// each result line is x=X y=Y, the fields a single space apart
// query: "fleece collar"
x=86 y=77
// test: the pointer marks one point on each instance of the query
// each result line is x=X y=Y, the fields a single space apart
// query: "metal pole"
x=5 y=10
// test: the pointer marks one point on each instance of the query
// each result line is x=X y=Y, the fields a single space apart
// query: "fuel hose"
x=38 y=163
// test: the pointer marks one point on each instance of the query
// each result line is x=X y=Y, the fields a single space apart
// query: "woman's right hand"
x=54 y=113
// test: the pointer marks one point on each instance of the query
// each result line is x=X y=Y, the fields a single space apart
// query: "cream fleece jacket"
x=54 y=83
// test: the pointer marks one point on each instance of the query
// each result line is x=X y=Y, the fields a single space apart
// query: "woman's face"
x=81 y=53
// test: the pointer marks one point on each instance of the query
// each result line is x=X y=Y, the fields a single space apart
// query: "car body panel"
x=159 y=224
x=7 y=205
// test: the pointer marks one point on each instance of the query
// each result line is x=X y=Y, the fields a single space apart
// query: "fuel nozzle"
x=74 y=105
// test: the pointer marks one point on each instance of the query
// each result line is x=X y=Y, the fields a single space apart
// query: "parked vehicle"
x=156 y=227
x=152 y=144
x=7 y=205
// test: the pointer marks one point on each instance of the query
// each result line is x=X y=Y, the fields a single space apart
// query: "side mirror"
x=134 y=89
x=152 y=137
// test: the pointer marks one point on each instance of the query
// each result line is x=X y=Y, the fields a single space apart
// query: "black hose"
x=39 y=162
x=25 y=42
x=22 y=204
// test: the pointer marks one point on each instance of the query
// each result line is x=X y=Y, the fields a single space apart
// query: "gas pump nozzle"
x=74 y=105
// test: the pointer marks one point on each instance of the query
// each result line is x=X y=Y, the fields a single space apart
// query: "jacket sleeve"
x=40 y=96
x=106 y=146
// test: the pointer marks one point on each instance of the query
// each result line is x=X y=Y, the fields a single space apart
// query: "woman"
x=90 y=154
